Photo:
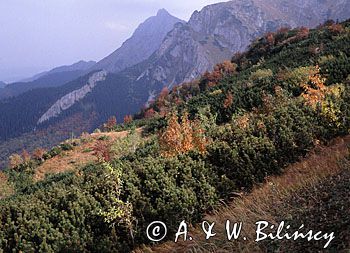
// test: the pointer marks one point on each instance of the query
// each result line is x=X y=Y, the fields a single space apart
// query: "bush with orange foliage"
x=170 y=140
x=336 y=29
x=111 y=124
x=102 y=151
x=226 y=68
x=187 y=133
x=15 y=160
x=303 y=33
x=127 y=119
x=270 y=38
x=211 y=79
x=25 y=156
x=180 y=138
x=149 y=113
x=314 y=91
x=162 y=98
x=228 y=102
x=38 y=153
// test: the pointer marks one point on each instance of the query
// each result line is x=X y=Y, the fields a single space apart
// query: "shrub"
x=261 y=74
x=15 y=160
x=102 y=151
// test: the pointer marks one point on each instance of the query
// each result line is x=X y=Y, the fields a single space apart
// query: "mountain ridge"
x=144 y=41
x=53 y=78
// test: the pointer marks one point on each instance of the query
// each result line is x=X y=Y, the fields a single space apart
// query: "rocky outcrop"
x=71 y=98
x=218 y=31
x=143 y=43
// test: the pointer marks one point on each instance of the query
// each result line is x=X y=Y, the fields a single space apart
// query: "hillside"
x=202 y=143
x=212 y=35
x=313 y=191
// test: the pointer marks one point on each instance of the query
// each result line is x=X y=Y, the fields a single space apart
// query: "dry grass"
x=78 y=157
x=260 y=204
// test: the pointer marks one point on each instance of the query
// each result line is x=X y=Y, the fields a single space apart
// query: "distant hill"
x=80 y=65
x=2 y=84
x=55 y=77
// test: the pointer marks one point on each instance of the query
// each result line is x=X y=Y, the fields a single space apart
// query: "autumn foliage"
x=303 y=33
x=314 y=90
x=149 y=113
x=220 y=70
x=127 y=119
x=15 y=160
x=228 y=100
x=102 y=151
x=111 y=124
x=38 y=153
x=25 y=156
x=180 y=138
x=336 y=29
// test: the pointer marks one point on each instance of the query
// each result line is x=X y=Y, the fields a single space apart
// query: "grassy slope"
x=314 y=191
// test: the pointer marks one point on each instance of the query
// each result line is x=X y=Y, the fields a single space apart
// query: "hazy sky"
x=37 y=35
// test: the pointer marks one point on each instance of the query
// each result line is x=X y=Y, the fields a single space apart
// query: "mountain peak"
x=134 y=50
x=162 y=12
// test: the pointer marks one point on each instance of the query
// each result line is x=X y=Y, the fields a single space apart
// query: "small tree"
x=149 y=113
x=314 y=90
x=228 y=100
x=170 y=140
x=15 y=160
x=127 y=119
x=181 y=138
x=25 y=156
x=187 y=133
x=102 y=151
x=38 y=153
x=270 y=38
x=336 y=29
x=303 y=33
x=111 y=124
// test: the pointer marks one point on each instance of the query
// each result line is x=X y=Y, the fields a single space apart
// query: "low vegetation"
x=202 y=142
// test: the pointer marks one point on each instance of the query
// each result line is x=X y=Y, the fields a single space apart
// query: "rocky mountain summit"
x=218 y=31
x=145 y=41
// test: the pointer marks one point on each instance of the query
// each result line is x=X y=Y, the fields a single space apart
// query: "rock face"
x=218 y=31
x=71 y=98
x=145 y=40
